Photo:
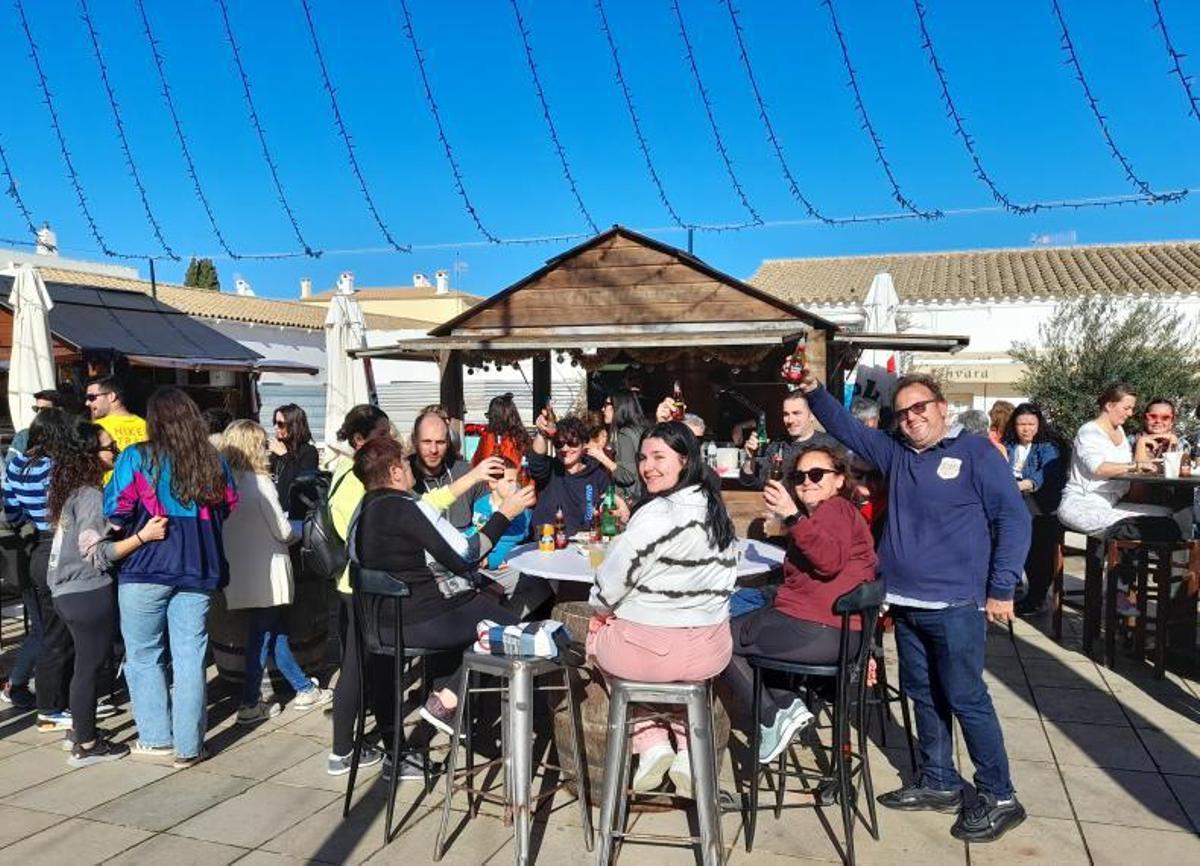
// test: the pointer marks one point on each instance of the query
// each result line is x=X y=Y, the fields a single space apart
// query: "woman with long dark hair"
x=830 y=551
x=292 y=453
x=505 y=435
x=164 y=590
x=80 y=577
x=47 y=652
x=626 y=422
x=1039 y=468
x=662 y=592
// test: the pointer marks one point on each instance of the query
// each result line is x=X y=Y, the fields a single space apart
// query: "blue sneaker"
x=776 y=737
x=49 y=722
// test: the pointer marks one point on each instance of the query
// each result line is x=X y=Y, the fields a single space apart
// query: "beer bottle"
x=560 y=530
x=608 y=516
x=793 y=368
x=776 y=472
x=762 y=430
x=677 y=410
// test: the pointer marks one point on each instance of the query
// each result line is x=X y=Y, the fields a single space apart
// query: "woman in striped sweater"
x=662 y=592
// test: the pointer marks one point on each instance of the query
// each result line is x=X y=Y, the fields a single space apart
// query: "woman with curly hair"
x=164 y=590
x=505 y=435
x=80 y=579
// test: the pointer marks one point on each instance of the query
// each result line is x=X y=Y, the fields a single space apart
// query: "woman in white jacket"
x=260 y=574
x=662 y=593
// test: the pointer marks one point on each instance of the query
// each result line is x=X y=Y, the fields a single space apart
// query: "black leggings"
x=53 y=671
x=91 y=618
x=380 y=686
x=772 y=633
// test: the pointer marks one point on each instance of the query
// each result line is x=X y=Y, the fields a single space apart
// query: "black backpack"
x=323 y=554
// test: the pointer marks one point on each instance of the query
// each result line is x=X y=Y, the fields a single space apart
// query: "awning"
x=946 y=343
x=260 y=365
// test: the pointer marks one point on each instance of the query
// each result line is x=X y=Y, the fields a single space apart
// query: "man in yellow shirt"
x=106 y=403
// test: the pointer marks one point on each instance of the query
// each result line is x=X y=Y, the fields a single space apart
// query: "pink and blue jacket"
x=192 y=556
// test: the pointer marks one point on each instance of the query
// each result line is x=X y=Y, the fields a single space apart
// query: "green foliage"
x=202 y=274
x=1096 y=340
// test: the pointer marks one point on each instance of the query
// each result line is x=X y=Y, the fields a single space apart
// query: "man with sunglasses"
x=50 y=399
x=106 y=404
x=952 y=551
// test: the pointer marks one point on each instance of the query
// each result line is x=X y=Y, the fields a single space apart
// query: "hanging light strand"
x=344 y=133
x=1177 y=62
x=94 y=38
x=868 y=126
x=459 y=183
x=554 y=139
x=13 y=192
x=261 y=133
x=711 y=115
x=1068 y=46
x=60 y=136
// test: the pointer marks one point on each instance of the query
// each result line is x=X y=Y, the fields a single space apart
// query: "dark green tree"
x=1096 y=340
x=202 y=274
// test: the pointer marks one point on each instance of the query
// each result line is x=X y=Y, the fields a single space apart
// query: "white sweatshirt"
x=663 y=571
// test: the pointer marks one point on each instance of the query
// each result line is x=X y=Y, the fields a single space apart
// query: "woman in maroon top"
x=830 y=552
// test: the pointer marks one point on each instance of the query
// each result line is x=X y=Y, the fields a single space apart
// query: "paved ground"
x=1107 y=765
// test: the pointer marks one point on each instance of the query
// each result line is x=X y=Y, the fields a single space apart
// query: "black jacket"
x=285 y=468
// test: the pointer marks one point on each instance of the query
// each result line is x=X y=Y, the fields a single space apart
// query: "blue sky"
x=1006 y=71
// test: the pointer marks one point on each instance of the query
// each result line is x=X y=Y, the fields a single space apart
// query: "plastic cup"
x=1171 y=462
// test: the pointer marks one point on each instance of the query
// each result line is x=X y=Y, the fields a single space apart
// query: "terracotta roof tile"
x=1158 y=268
x=233 y=308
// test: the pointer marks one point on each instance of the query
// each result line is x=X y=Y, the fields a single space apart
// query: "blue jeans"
x=153 y=615
x=941 y=666
x=268 y=634
x=31 y=646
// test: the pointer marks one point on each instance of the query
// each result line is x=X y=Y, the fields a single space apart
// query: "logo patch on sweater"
x=949 y=468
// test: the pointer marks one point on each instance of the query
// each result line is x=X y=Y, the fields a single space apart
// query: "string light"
x=1176 y=62
x=459 y=184
x=94 y=37
x=261 y=133
x=711 y=115
x=15 y=194
x=868 y=126
x=76 y=183
x=554 y=139
x=344 y=133
x=1068 y=46
x=633 y=117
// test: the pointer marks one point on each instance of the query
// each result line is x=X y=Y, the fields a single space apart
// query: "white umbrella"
x=875 y=375
x=345 y=377
x=31 y=366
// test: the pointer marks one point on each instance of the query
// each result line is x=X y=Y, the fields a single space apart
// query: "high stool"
x=1075 y=600
x=1153 y=576
x=884 y=694
x=850 y=698
x=696 y=698
x=518 y=675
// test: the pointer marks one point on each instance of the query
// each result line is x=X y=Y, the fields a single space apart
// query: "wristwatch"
x=791 y=520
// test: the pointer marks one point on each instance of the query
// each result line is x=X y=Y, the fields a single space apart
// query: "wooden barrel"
x=308 y=618
x=593 y=709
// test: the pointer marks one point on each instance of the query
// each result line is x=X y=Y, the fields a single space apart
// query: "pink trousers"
x=659 y=654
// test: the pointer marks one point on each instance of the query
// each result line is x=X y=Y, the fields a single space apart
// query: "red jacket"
x=829 y=554
x=488 y=447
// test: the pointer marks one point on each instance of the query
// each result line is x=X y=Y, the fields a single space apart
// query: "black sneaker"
x=987 y=819
x=919 y=799
x=100 y=752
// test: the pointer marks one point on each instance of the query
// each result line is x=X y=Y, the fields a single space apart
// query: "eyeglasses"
x=92 y=398
x=111 y=447
x=917 y=408
x=813 y=475
x=1156 y=416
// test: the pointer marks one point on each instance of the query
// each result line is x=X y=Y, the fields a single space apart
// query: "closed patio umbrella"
x=345 y=377
x=31 y=366
x=875 y=375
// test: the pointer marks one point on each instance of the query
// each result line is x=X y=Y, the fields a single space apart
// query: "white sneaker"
x=788 y=723
x=652 y=766
x=259 y=712
x=314 y=697
x=681 y=775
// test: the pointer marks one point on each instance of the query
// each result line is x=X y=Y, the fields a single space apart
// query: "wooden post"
x=821 y=358
x=452 y=383
x=541 y=382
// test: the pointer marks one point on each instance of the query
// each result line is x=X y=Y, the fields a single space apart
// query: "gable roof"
x=595 y=282
x=976 y=275
x=208 y=304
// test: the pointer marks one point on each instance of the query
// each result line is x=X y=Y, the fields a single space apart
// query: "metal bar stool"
x=366 y=584
x=517 y=675
x=696 y=698
x=1154 y=577
x=850 y=695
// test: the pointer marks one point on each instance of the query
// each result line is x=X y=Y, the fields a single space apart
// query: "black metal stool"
x=1154 y=577
x=850 y=688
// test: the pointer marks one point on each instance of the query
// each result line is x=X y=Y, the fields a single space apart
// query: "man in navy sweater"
x=952 y=552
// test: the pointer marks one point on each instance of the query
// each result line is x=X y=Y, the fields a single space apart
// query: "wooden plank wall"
x=622 y=282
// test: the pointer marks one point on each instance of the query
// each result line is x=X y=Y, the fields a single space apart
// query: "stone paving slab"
x=73 y=793
x=177 y=851
x=255 y=815
x=172 y=800
x=76 y=841
x=1037 y=840
x=1088 y=745
x=1123 y=797
x=16 y=824
x=1112 y=845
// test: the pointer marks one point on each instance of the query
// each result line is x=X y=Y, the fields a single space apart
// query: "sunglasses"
x=279 y=425
x=563 y=443
x=112 y=448
x=92 y=398
x=813 y=475
x=917 y=408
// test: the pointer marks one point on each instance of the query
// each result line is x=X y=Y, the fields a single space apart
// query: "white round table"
x=572 y=563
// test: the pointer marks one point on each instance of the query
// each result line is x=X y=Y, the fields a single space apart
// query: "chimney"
x=241 y=287
x=345 y=285
x=420 y=281
x=305 y=288
x=47 y=241
x=443 y=282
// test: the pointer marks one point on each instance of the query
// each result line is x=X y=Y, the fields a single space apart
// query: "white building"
x=994 y=297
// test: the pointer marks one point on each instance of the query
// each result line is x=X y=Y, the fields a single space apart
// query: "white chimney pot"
x=420 y=281
x=443 y=282
x=305 y=288
x=345 y=284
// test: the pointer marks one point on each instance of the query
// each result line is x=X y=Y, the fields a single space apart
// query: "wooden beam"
x=541 y=381
x=451 y=392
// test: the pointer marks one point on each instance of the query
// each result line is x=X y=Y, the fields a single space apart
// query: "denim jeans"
x=31 y=646
x=268 y=635
x=941 y=667
x=153 y=615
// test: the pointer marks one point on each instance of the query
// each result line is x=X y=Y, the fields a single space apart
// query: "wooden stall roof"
x=625 y=282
